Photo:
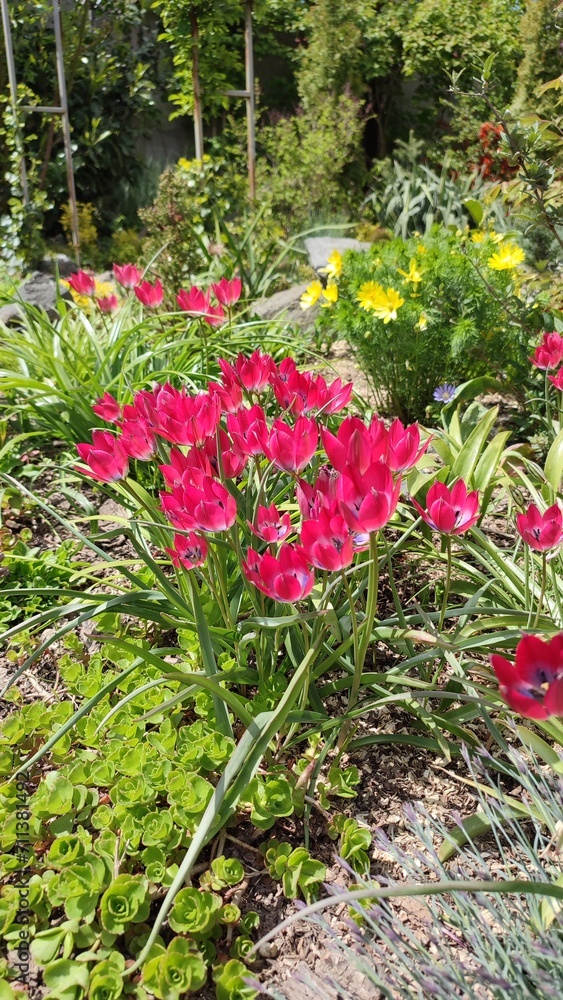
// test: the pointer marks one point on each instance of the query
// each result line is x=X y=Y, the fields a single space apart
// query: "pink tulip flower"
x=137 y=439
x=292 y=448
x=355 y=444
x=287 y=578
x=541 y=531
x=367 y=501
x=271 y=526
x=248 y=430
x=188 y=551
x=327 y=541
x=105 y=458
x=549 y=353
x=533 y=685
x=228 y=292
x=452 y=512
x=82 y=283
x=195 y=303
x=150 y=296
x=108 y=408
x=557 y=379
x=127 y=275
x=403 y=446
x=254 y=372
x=202 y=505
x=108 y=304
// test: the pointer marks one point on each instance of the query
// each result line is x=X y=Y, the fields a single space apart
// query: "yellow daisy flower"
x=422 y=322
x=508 y=257
x=311 y=295
x=413 y=274
x=479 y=235
x=372 y=297
x=330 y=293
x=334 y=265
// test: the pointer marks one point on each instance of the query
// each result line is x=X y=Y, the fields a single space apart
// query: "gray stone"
x=38 y=290
x=10 y=314
x=320 y=248
x=58 y=263
x=285 y=306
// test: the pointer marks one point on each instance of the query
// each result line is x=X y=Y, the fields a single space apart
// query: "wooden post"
x=66 y=129
x=249 y=68
x=14 y=96
x=198 y=119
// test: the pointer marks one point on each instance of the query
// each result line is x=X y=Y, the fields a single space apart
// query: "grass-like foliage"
x=467 y=944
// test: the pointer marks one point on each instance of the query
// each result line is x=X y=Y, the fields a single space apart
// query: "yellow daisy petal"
x=311 y=295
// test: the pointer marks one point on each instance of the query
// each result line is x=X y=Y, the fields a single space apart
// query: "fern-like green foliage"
x=461 y=318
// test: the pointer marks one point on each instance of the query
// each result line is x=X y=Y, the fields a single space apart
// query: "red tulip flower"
x=288 y=578
x=228 y=292
x=367 y=501
x=253 y=373
x=108 y=408
x=202 y=505
x=229 y=396
x=541 y=531
x=215 y=316
x=292 y=448
x=355 y=444
x=188 y=551
x=108 y=304
x=179 y=464
x=127 y=275
x=549 y=353
x=150 y=296
x=205 y=458
x=327 y=541
x=312 y=499
x=533 y=685
x=450 y=511
x=137 y=439
x=403 y=446
x=195 y=302
x=248 y=430
x=334 y=397
x=184 y=419
x=557 y=379
x=271 y=526
x=105 y=457
x=82 y=283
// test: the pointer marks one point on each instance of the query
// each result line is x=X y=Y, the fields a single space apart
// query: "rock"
x=285 y=305
x=41 y=290
x=38 y=290
x=320 y=248
x=10 y=314
x=58 y=263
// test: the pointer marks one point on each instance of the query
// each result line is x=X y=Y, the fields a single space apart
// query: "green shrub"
x=435 y=311
x=310 y=170
x=182 y=222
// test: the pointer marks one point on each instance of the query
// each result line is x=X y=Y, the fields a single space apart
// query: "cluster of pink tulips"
x=195 y=302
x=269 y=422
x=209 y=438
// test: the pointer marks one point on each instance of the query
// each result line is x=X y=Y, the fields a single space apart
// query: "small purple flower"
x=445 y=393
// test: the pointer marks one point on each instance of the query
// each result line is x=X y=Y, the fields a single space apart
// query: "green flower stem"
x=353 y=618
x=447 y=583
x=556 y=590
x=367 y=625
x=221 y=594
x=548 y=403
x=542 y=589
x=208 y=657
